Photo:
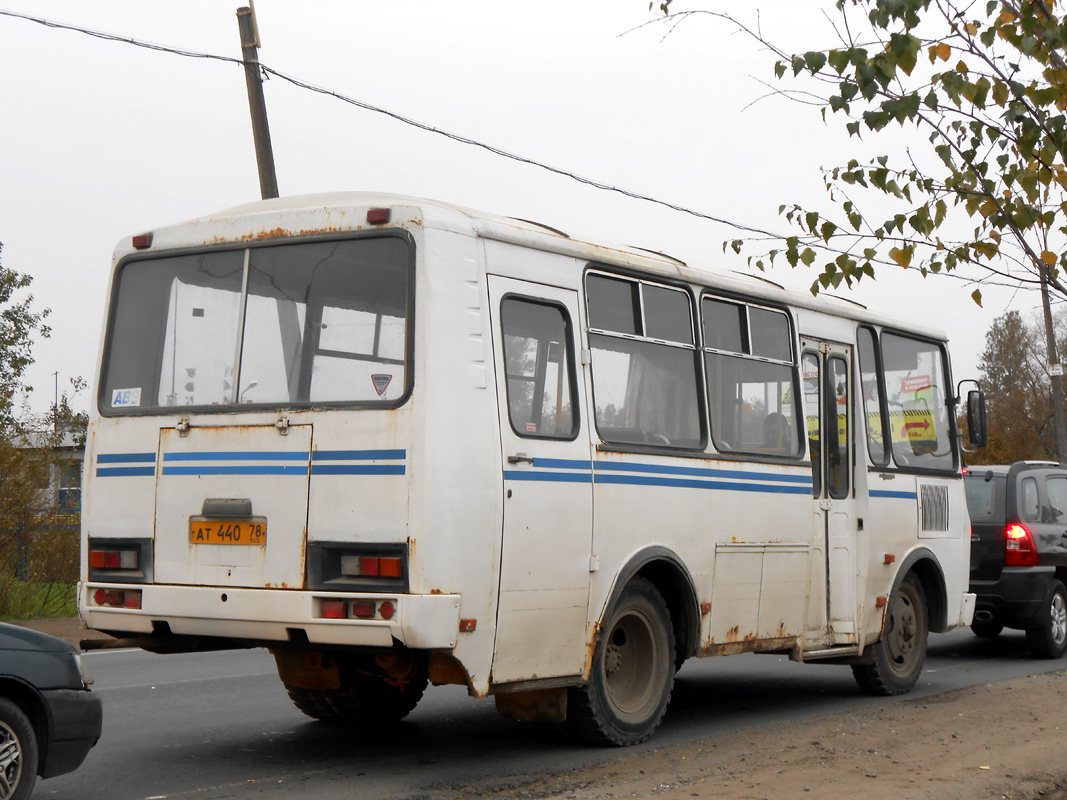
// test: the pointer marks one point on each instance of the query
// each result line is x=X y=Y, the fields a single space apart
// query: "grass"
x=21 y=600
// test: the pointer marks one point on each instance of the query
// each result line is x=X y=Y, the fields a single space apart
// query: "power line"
x=306 y=85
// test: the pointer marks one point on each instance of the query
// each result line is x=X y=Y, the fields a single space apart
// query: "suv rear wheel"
x=1050 y=640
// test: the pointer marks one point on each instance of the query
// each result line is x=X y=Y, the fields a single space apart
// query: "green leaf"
x=779 y=69
x=976 y=295
x=815 y=60
x=838 y=60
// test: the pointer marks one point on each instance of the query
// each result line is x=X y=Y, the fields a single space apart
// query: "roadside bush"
x=38 y=576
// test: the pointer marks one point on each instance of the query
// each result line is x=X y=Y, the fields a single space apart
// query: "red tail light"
x=113 y=559
x=1019 y=548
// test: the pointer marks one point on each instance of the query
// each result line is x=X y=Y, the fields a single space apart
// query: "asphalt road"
x=220 y=725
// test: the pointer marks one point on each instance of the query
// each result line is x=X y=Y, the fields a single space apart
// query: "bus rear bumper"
x=272 y=615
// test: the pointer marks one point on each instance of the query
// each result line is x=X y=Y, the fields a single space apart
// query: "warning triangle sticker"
x=381 y=383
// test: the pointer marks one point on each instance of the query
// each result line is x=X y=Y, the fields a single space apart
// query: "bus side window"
x=813 y=403
x=751 y=378
x=645 y=385
x=873 y=404
x=539 y=361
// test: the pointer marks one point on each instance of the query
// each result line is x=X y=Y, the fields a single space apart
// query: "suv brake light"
x=1019 y=548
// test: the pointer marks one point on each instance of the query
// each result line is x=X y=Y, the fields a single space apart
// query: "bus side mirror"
x=976 y=427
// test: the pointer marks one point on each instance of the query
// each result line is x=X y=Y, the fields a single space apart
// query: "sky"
x=100 y=139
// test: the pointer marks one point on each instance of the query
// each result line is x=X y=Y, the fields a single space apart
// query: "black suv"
x=1019 y=552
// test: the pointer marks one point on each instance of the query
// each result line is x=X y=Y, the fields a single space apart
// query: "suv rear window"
x=982 y=495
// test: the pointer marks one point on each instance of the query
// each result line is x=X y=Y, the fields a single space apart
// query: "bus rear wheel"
x=632 y=674
x=378 y=690
x=897 y=658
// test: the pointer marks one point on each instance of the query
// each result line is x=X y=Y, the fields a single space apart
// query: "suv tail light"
x=1019 y=548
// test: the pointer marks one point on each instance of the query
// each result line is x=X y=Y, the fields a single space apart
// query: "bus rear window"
x=282 y=325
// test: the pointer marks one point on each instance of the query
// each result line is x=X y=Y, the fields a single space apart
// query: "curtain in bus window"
x=537 y=360
x=872 y=401
x=753 y=405
x=173 y=335
x=326 y=322
x=645 y=393
x=916 y=393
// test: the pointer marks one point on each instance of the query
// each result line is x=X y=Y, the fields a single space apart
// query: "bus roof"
x=342 y=212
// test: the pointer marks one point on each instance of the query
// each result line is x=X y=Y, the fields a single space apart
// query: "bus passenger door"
x=828 y=390
x=547 y=483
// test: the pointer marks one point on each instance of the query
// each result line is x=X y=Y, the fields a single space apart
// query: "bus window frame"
x=570 y=328
x=747 y=303
x=892 y=467
x=104 y=408
x=639 y=278
x=883 y=404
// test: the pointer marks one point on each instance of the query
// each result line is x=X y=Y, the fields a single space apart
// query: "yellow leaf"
x=988 y=209
x=1049 y=257
x=971 y=28
x=942 y=51
x=961 y=68
x=902 y=257
x=1006 y=16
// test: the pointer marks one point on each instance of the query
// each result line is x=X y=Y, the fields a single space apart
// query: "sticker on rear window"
x=126 y=398
x=381 y=383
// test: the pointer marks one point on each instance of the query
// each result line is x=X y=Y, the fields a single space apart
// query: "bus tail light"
x=117 y=599
x=363 y=609
x=335 y=609
x=358 y=567
x=354 y=566
x=357 y=609
x=1019 y=548
x=113 y=559
x=119 y=560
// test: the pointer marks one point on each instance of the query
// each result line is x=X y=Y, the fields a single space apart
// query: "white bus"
x=399 y=442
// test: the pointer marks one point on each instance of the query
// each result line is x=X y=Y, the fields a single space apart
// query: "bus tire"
x=369 y=693
x=18 y=742
x=632 y=674
x=1050 y=640
x=897 y=658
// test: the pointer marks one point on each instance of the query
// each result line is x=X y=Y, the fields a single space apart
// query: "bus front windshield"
x=302 y=323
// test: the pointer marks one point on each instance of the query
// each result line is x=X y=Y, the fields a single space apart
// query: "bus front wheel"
x=632 y=674
x=897 y=658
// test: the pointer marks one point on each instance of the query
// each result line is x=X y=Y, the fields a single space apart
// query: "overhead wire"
x=308 y=86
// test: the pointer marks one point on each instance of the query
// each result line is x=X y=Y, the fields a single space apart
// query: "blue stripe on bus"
x=551 y=477
x=701 y=472
x=125 y=458
x=733 y=486
x=358 y=469
x=248 y=469
x=562 y=463
x=359 y=455
x=896 y=495
x=116 y=472
x=239 y=455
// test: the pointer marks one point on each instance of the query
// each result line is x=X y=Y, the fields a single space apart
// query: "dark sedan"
x=49 y=719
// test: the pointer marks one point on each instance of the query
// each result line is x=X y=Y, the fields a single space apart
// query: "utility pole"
x=246 y=22
x=1055 y=370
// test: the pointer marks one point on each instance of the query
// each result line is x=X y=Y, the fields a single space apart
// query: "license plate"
x=246 y=531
